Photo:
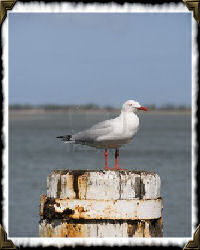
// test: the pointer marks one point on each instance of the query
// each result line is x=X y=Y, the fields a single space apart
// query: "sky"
x=102 y=58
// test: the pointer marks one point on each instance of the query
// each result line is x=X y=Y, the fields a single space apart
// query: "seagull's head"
x=132 y=106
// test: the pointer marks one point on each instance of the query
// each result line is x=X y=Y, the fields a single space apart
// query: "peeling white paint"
x=110 y=209
x=103 y=185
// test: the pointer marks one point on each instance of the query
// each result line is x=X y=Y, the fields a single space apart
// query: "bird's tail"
x=66 y=138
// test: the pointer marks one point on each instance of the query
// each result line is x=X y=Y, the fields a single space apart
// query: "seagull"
x=110 y=134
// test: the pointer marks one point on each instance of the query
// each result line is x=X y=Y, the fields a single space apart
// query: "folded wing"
x=91 y=135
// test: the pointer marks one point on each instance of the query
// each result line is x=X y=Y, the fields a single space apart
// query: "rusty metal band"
x=101 y=209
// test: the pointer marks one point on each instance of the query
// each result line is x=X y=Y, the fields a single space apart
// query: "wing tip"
x=65 y=137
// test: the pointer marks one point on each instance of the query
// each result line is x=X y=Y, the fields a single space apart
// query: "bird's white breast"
x=129 y=124
x=123 y=128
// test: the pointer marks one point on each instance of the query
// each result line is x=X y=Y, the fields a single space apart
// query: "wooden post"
x=99 y=203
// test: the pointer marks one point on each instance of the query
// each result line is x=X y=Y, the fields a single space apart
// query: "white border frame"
x=108 y=8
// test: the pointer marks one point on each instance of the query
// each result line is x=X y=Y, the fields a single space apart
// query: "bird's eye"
x=130 y=104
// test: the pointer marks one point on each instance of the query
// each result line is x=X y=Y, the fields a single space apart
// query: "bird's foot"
x=117 y=168
x=107 y=168
x=120 y=169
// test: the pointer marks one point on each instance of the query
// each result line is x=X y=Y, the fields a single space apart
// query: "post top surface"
x=82 y=171
x=103 y=184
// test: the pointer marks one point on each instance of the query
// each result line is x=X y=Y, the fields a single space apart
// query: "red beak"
x=143 y=108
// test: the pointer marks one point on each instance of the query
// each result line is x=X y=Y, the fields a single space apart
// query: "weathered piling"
x=92 y=203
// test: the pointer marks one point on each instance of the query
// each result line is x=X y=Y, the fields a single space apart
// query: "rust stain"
x=76 y=175
x=147 y=173
x=46 y=229
x=60 y=231
x=63 y=183
x=48 y=209
x=75 y=230
x=156 y=227
x=67 y=186
x=67 y=212
x=142 y=189
x=137 y=187
x=51 y=210
x=59 y=187
x=146 y=229
x=140 y=229
x=58 y=171
x=131 y=228
x=82 y=186
x=83 y=228
x=135 y=228
x=43 y=199
x=81 y=209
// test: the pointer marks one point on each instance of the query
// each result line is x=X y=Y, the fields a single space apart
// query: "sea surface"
x=162 y=144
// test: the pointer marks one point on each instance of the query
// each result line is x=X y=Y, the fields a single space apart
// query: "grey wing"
x=91 y=135
x=102 y=125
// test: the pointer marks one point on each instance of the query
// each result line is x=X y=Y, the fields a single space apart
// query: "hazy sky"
x=100 y=58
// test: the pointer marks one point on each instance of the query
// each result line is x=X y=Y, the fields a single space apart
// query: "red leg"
x=117 y=160
x=106 y=159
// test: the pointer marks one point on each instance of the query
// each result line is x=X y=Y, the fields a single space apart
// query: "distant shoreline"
x=29 y=112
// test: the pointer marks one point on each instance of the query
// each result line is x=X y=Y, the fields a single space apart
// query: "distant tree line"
x=168 y=106
x=91 y=106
